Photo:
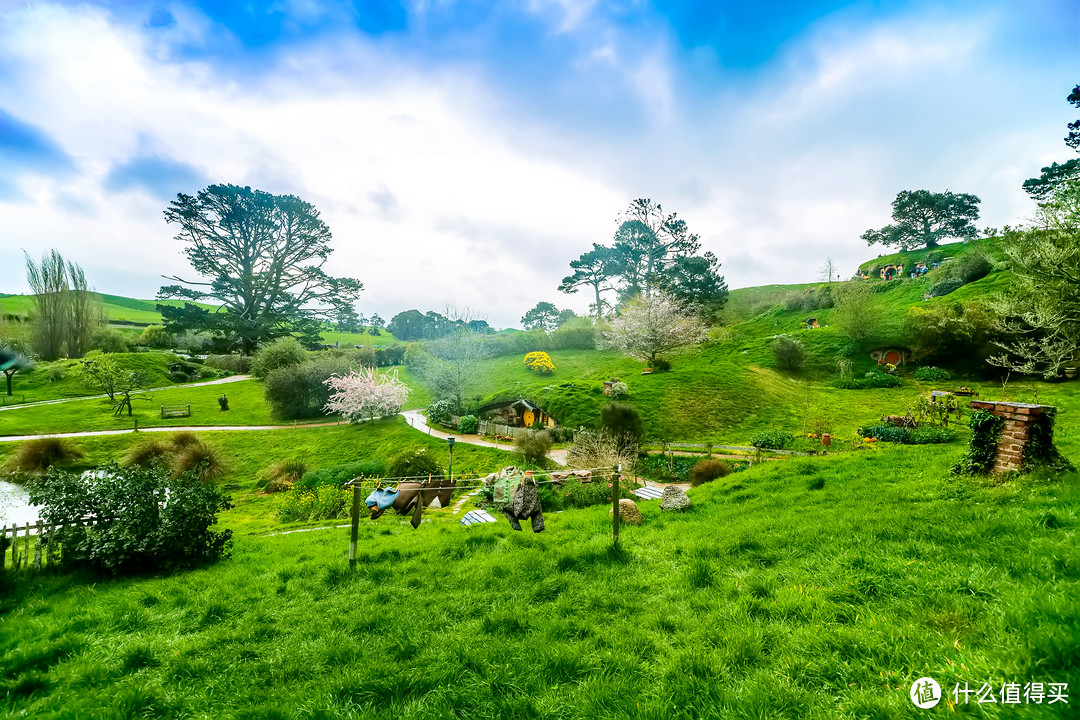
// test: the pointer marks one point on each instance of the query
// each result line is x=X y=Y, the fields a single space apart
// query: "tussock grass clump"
x=708 y=470
x=283 y=474
x=183 y=438
x=204 y=460
x=37 y=456
x=147 y=452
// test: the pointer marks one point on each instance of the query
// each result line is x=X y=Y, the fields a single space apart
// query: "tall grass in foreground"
x=778 y=595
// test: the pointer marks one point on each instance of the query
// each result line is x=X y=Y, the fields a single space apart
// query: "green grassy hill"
x=131 y=311
x=815 y=588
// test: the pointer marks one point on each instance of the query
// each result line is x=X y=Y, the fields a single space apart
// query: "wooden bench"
x=168 y=411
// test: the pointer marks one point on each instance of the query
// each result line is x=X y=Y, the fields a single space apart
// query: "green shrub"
x=708 y=470
x=660 y=365
x=534 y=446
x=575 y=494
x=340 y=474
x=147 y=520
x=156 y=336
x=667 y=468
x=932 y=374
x=439 y=411
x=325 y=502
x=789 y=353
x=414 y=463
x=872 y=379
x=468 y=425
x=392 y=355
x=229 y=363
x=40 y=454
x=771 y=439
x=300 y=391
x=621 y=421
x=281 y=353
x=110 y=340
x=967 y=268
x=908 y=436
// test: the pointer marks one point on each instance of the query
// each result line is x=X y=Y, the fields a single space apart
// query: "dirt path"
x=419 y=422
x=219 y=381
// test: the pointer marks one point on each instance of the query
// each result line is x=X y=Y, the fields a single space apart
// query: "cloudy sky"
x=464 y=151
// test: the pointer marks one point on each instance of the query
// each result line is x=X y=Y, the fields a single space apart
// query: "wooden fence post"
x=37 y=546
x=3 y=544
x=615 y=505
x=354 y=533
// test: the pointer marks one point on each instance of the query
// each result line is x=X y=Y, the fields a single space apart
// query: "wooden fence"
x=36 y=545
x=489 y=427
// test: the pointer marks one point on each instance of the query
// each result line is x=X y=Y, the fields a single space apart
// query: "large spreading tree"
x=923 y=219
x=261 y=257
x=652 y=250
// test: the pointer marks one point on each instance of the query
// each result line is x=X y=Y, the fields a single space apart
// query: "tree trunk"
x=9 y=373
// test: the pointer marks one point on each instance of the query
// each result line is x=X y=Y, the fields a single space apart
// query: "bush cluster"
x=967 y=268
x=281 y=353
x=575 y=494
x=932 y=374
x=534 y=446
x=621 y=421
x=146 y=519
x=872 y=379
x=341 y=473
x=282 y=475
x=325 y=502
x=440 y=411
x=771 y=439
x=468 y=425
x=300 y=391
x=908 y=436
x=789 y=353
x=414 y=463
x=809 y=301
x=229 y=363
x=660 y=365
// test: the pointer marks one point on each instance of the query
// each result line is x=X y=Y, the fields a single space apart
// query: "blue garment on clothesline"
x=382 y=499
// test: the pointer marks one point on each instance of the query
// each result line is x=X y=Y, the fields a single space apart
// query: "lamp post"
x=450 y=470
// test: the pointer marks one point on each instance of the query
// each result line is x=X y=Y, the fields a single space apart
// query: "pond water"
x=14 y=507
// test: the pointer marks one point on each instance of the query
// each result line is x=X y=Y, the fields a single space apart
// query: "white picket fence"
x=489 y=427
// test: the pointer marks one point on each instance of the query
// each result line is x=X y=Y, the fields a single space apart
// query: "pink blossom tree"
x=366 y=394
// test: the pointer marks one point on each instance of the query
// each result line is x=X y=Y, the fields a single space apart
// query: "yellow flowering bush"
x=539 y=363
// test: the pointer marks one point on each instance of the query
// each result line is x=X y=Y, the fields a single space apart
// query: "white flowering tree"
x=657 y=324
x=366 y=394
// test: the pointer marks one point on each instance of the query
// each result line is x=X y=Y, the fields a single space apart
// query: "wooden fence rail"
x=43 y=550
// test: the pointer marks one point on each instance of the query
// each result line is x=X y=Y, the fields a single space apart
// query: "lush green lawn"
x=117 y=307
x=347 y=340
x=246 y=407
x=58 y=379
x=816 y=588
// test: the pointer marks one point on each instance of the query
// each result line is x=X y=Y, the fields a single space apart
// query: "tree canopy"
x=924 y=218
x=1073 y=138
x=261 y=256
x=650 y=326
x=543 y=316
x=651 y=250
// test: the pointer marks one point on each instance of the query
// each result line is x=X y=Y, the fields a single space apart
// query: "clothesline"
x=602 y=473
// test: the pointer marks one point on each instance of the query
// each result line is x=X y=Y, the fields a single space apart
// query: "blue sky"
x=464 y=152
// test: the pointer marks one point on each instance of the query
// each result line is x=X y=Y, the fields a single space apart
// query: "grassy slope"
x=36 y=384
x=144 y=312
x=249 y=453
x=246 y=407
x=768 y=599
x=953 y=250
